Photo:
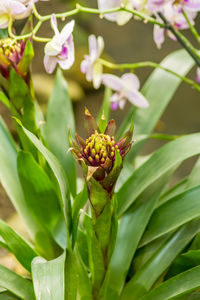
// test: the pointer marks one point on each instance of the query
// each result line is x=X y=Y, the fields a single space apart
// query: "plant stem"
x=182 y=40
x=137 y=65
x=192 y=28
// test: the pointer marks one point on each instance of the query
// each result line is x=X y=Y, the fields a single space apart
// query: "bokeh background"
x=130 y=43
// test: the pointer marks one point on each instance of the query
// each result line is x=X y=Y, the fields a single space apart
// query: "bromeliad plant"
x=120 y=231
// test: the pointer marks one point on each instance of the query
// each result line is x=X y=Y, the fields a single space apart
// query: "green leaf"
x=159 y=163
x=157 y=92
x=4 y=99
x=7 y=296
x=16 y=284
x=3 y=33
x=189 y=182
x=79 y=203
x=96 y=260
x=84 y=282
x=27 y=58
x=9 y=177
x=144 y=279
x=131 y=228
x=41 y=199
x=184 y=262
x=58 y=173
x=48 y=278
x=178 y=285
x=172 y=214
x=17 y=245
x=60 y=117
x=21 y=98
x=39 y=192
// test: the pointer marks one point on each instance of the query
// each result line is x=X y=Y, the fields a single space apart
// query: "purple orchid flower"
x=60 y=50
x=126 y=88
x=121 y=17
x=90 y=65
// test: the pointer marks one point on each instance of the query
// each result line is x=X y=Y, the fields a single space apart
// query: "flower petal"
x=158 y=35
x=15 y=8
x=131 y=81
x=100 y=45
x=92 y=46
x=50 y=63
x=198 y=75
x=113 y=82
x=68 y=62
x=54 y=24
x=53 y=47
x=90 y=123
x=122 y=104
x=137 y=99
x=4 y=20
x=67 y=31
x=111 y=128
x=97 y=75
x=123 y=18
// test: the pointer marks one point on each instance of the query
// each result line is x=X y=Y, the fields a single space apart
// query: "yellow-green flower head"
x=11 y=53
x=99 y=152
x=98 y=148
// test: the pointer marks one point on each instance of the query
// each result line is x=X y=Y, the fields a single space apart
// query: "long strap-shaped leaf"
x=60 y=112
x=130 y=231
x=48 y=278
x=9 y=177
x=16 y=284
x=58 y=173
x=39 y=191
x=144 y=279
x=180 y=284
x=159 y=90
x=17 y=245
x=172 y=214
x=160 y=162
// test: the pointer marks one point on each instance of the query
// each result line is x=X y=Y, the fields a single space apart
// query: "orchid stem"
x=137 y=65
x=182 y=40
x=192 y=28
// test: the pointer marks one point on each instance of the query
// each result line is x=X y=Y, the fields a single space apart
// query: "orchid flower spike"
x=90 y=65
x=126 y=88
x=60 y=50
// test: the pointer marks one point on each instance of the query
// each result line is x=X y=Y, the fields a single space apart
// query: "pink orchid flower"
x=126 y=88
x=121 y=17
x=174 y=16
x=60 y=50
x=198 y=75
x=90 y=65
x=11 y=9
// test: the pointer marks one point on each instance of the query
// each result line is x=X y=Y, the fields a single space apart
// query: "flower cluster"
x=126 y=87
x=60 y=50
x=98 y=152
x=172 y=10
x=14 y=10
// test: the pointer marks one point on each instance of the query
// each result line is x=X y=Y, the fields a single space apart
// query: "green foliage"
x=60 y=112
